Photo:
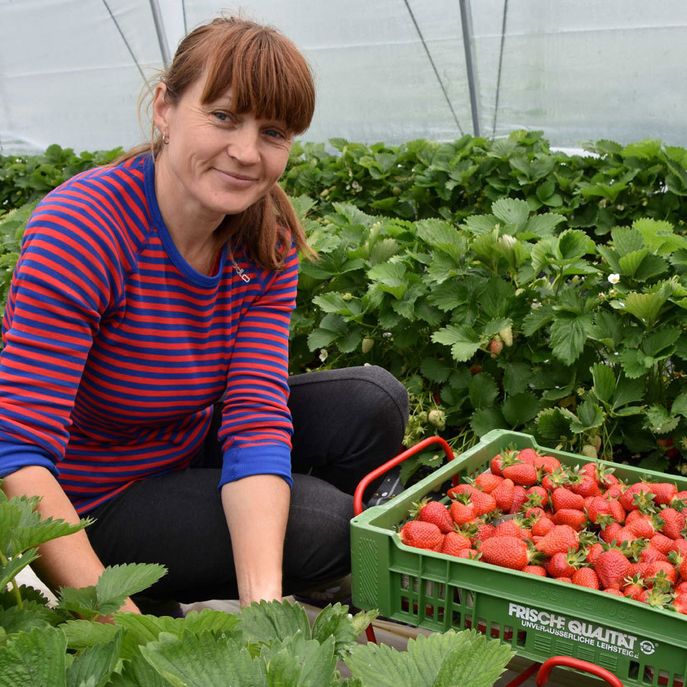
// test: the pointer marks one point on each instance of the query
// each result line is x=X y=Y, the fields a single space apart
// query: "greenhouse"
x=343 y=344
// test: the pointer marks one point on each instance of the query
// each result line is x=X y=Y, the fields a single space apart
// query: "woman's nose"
x=243 y=146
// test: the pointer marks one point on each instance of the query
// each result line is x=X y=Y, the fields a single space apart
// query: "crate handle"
x=385 y=467
x=577 y=664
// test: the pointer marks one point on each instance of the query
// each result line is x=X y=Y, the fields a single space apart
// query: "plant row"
x=580 y=526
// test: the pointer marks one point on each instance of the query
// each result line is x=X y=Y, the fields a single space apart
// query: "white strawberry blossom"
x=614 y=278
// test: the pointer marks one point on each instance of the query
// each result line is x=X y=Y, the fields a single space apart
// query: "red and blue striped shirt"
x=116 y=350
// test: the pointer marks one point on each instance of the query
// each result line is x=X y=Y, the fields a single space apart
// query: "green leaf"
x=82 y=634
x=204 y=661
x=482 y=390
x=117 y=582
x=553 y=424
x=628 y=391
x=333 y=621
x=589 y=416
x=568 y=336
x=543 y=225
x=435 y=370
x=520 y=408
x=511 y=211
x=136 y=673
x=644 y=306
x=14 y=619
x=604 y=382
x=389 y=277
x=34 y=658
x=268 y=620
x=516 y=378
x=661 y=343
x=574 y=243
x=93 y=666
x=679 y=406
x=634 y=363
x=480 y=224
x=659 y=420
x=14 y=566
x=464 y=344
x=486 y=419
x=300 y=662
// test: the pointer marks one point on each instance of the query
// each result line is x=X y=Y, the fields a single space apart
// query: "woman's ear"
x=161 y=107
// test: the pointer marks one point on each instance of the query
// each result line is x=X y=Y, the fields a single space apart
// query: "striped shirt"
x=116 y=349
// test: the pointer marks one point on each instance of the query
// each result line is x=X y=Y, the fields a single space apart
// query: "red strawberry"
x=535 y=570
x=549 y=464
x=662 y=543
x=537 y=496
x=569 y=516
x=634 y=587
x=599 y=510
x=519 y=498
x=528 y=455
x=503 y=495
x=433 y=511
x=638 y=495
x=650 y=554
x=564 y=564
x=508 y=528
x=586 y=577
x=423 y=535
x=611 y=567
x=487 y=481
x=660 y=571
x=472 y=554
x=609 y=532
x=641 y=524
x=461 y=513
x=615 y=592
x=664 y=492
x=454 y=543
x=524 y=474
x=680 y=603
x=543 y=526
x=673 y=522
x=508 y=552
x=561 y=538
x=593 y=551
x=561 y=497
x=586 y=486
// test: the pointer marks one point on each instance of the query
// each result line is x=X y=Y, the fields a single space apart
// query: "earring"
x=165 y=138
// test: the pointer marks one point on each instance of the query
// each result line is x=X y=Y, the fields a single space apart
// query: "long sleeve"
x=256 y=425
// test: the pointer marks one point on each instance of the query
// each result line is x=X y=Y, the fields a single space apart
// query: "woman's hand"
x=257 y=509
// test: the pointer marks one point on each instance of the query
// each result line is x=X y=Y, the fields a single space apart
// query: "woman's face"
x=217 y=162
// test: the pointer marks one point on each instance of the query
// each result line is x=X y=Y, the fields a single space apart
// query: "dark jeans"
x=346 y=423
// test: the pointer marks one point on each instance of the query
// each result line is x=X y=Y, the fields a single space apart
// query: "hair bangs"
x=267 y=76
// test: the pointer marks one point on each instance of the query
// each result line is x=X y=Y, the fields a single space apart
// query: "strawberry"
x=599 y=510
x=487 y=481
x=638 y=495
x=484 y=531
x=611 y=567
x=680 y=603
x=506 y=551
x=585 y=486
x=422 y=535
x=508 y=528
x=503 y=495
x=537 y=496
x=660 y=573
x=650 y=554
x=528 y=455
x=569 y=516
x=592 y=552
x=564 y=564
x=433 y=511
x=673 y=522
x=524 y=474
x=664 y=492
x=454 y=543
x=641 y=524
x=561 y=497
x=548 y=464
x=519 y=498
x=482 y=503
x=461 y=513
x=543 y=526
x=662 y=543
x=471 y=554
x=634 y=587
x=561 y=538
x=608 y=533
x=615 y=592
x=539 y=570
x=586 y=577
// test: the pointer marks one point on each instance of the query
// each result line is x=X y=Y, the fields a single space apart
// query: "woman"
x=145 y=349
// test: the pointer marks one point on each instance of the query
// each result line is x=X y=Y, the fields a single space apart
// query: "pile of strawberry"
x=579 y=525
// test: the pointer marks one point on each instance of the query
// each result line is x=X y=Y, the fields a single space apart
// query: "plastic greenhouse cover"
x=72 y=71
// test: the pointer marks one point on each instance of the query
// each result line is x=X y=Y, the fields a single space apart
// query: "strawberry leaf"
x=271 y=620
x=38 y=657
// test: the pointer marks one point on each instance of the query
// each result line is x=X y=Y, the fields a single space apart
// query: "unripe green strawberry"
x=506 y=335
x=437 y=418
x=367 y=344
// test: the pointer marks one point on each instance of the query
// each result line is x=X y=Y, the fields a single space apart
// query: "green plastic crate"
x=538 y=617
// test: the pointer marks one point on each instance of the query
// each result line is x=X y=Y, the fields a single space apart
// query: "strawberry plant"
x=266 y=643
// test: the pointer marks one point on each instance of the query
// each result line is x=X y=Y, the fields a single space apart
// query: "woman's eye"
x=276 y=133
x=222 y=116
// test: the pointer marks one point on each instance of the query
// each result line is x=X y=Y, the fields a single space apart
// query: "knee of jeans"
x=386 y=396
